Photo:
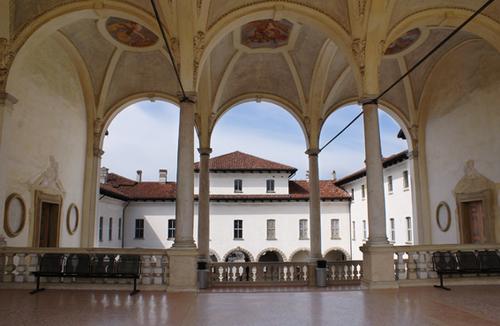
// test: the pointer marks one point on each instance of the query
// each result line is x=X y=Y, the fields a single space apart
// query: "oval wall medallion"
x=72 y=219
x=443 y=216
x=14 y=215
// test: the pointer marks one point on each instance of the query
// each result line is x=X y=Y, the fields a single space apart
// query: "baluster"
x=354 y=267
x=157 y=271
x=32 y=266
x=412 y=266
x=305 y=275
x=400 y=266
x=349 y=275
x=422 y=266
x=360 y=271
x=20 y=268
x=146 y=270
x=2 y=264
x=336 y=271
x=9 y=268
x=165 y=270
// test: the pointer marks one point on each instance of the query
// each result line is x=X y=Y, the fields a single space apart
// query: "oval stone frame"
x=6 y=225
x=443 y=205
x=72 y=228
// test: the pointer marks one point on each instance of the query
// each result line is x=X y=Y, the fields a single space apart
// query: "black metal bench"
x=89 y=266
x=465 y=262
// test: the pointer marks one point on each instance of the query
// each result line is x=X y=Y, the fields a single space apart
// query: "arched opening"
x=270 y=255
x=335 y=255
x=301 y=255
x=238 y=255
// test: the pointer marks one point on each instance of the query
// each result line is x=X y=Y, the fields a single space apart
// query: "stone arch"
x=275 y=250
x=122 y=104
x=215 y=254
x=274 y=99
x=297 y=251
x=246 y=252
x=337 y=249
x=294 y=11
x=482 y=26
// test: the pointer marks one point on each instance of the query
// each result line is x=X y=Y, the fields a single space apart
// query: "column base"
x=183 y=275
x=378 y=267
x=184 y=244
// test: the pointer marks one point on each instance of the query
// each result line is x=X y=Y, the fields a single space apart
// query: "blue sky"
x=144 y=137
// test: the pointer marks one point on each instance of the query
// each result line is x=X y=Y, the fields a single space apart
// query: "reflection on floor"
x=464 y=305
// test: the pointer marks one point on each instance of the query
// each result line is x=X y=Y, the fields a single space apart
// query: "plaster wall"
x=49 y=120
x=109 y=208
x=253 y=183
x=462 y=124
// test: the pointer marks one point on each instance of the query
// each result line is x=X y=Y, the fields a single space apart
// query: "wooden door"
x=49 y=222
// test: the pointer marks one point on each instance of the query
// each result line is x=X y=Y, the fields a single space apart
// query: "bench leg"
x=38 y=289
x=135 y=291
x=441 y=285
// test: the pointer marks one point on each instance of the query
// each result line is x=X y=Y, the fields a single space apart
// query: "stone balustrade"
x=349 y=271
x=242 y=274
x=412 y=264
x=17 y=265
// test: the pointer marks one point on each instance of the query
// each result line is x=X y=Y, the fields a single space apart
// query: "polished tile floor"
x=464 y=305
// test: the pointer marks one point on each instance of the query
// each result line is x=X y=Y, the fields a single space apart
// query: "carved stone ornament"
x=361 y=8
x=199 y=47
x=6 y=59
x=49 y=179
x=358 y=50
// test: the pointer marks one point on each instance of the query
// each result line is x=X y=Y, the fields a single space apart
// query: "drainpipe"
x=123 y=224
x=350 y=229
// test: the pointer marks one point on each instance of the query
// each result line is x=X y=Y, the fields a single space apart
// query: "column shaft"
x=314 y=205
x=374 y=177
x=204 y=205
x=184 y=204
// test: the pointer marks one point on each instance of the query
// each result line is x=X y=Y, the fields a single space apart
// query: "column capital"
x=98 y=152
x=312 y=151
x=204 y=150
x=7 y=99
x=191 y=97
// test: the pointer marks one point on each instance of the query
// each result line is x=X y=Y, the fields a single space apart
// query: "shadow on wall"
x=147 y=232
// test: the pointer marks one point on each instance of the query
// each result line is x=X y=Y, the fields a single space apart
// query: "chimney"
x=104 y=174
x=307 y=175
x=139 y=175
x=163 y=176
x=334 y=175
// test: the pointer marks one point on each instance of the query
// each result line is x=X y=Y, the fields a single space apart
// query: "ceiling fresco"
x=266 y=33
x=403 y=42
x=130 y=33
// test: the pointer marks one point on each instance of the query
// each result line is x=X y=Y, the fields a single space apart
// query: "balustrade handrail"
x=66 y=250
x=446 y=247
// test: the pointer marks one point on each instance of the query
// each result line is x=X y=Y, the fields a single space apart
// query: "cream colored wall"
x=463 y=124
x=49 y=120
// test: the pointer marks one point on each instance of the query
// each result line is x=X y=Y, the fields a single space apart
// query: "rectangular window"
x=171 y=229
x=365 y=230
x=389 y=184
x=303 y=232
x=270 y=185
x=110 y=229
x=409 y=229
x=406 y=182
x=238 y=185
x=335 y=228
x=271 y=229
x=238 y=229
x=393 y=230
x=139 y=228
x=353 y=231
x=363 y=193
x=101 y=225
x=352 y=194
x=119 y=229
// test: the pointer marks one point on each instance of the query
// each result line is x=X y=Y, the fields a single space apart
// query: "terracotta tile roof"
x=238 y=161
x=386 y=162
x=126 y=189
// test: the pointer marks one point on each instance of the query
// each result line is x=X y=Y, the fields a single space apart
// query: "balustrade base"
x=378 y=267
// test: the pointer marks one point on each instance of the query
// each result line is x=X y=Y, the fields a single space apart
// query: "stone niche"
x=475 y=196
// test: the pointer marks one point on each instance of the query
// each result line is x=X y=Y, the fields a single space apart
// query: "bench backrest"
x=467 y=261
x=489 y=260
x=52 y=263
x=77 y=263
x=103 y=264
x=444 y=261
x=129 y=264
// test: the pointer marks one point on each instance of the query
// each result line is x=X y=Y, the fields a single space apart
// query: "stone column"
x=183 y=254
x=374 y=177
x=378 y=255
x=7 y=102
x=204 y=206
x=184 y=203
x=314 y=205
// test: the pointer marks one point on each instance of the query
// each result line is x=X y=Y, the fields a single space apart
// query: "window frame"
x=270 y=186
x=335 y=229
x=238 y=185
x=101 y=227
x=110 y=229
x=363 y=192
x=171 y=227
x=390 y=185
x=303 y=229
x=120 y=228
x=271 y=231
x=238 y=229
x=138 y=228
x=409 y=230
x=392 y=224
x=406 y=180
x=353 y=231
x=365 y=230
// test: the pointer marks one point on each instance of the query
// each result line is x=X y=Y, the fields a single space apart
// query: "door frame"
x=42 y=197
x=485 y=197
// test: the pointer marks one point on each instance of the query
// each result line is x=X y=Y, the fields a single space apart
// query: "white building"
x=256 y=211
